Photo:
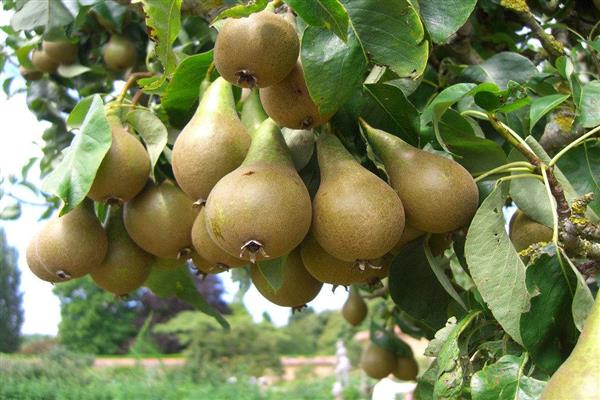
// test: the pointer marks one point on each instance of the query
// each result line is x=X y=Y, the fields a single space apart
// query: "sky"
x=19 y=141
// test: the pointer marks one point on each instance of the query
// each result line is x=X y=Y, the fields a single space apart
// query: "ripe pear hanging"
x=72 y=245
x=438 y=194
x=354 y=309
x=262 y=209
x=160 y=220
x=524 y=231
x=579 y=376
x=356 y=215
x=62 y=51
x=124 y=169
x=212 y=144
x=298 y=286
x=378 y=362
x=126 y=265
x=35 y=264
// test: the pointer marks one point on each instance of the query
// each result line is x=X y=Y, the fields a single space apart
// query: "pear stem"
x=133 y=78
x=572 y=145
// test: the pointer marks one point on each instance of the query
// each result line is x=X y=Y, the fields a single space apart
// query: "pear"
x=62 y=51
x=579 y=376
x=160 y=220
x=298 y=286
x=212 y=144
x=35 y=264
x=42 y=62
x=354 y=309
x=262 y=209
x=438 y=194
x=124 y=169
x=356 y=215
x=205 y=267
x=207 y=249
x=119 y=53
x=72 y=245
x=407 y=369
x=258 y=50
x=523 y=231
x=126 y=265
x=328 y=269
x=378 y=362
x=30 y=74
x=301 y=143
x=408 y=236
x=253 y=113
x=289 y=104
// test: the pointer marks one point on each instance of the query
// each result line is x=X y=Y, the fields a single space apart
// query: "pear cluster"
x=378 y=362
x=49 y=57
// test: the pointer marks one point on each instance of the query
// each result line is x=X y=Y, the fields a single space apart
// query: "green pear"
x=253 y=113
x=35 y=264
x=579 y=376
x=378 y=362
x=523 y=231
x=301 y=143
x=62 y=51
x=298 y=286
x=42 y=62
x=126 y=265
x=438 y=194
x=407 y=369
x=212 y=144
x=119 y=53
x=262 y=209
x=354 y=309
x=356 y=215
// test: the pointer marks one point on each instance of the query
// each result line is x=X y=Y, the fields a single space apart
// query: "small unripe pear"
x=354 y=309
x=63 y=52
x=42 y=62
x=119 y=53
x=378 y=362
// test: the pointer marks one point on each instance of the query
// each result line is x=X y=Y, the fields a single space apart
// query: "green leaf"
x=79 y=112
x=588 y=106
x=505 y=380
x=72 y=178
x=328 y=14
x=242 y=10
x=551 y=288
x=333 y=69
x=11 y=212
x=583 y=300
x=183 y=90
x=272 y=270
x=442 y=18
x=163 y=18
x=391 y=109
x=392 y=33
x=177 y=282
x=450 y=374
x=72 y=70
x=542 y=106
x=581 y=166
x=153 y=132
x=416 y=290
x=495 y=266
x=438 y=265
x=48 y=14
x=502 y=68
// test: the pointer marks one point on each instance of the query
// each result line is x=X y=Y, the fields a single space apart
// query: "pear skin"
x=438 y=194
x=378 y=362
x=579 y=376
x=354 y=309
x=124 y=170
x=262 y=209
x=408 y=236
x=62 y=52
x=35 y=264
x=253 y=113
x=523 y=231
x=297 y=289
x=407 y=369
x=126 y=265
x=356 y=215
x=212 y=144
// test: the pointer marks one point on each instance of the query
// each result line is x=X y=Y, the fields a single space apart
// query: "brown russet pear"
x=523 y=231
x=42 y=62
x=74 y=244
x=378 y=362
x=438 y=194
x=35 y=264
x=579 y=376
x=354 y=309
x=289 y=104
x=160 y=220
x=328 y=269
x=408 y=236
x=259 y=50
x=119 y=53
x=407 y=369
x=208 y=250
x=124 y=170
x=356 y=215
x=262 y=209
x=212 y=144
x=253 y=113
x=126 y=265
x=298 y=287
x=62 y=51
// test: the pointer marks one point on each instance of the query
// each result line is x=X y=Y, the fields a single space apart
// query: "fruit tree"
x=378 y=144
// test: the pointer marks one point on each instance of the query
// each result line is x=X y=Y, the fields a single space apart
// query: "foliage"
x=508 y=89
x=11 y=309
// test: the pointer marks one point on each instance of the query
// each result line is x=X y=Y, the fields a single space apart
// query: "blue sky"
x=18 y=143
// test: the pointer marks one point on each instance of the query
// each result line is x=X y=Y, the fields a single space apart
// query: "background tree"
x=11 y=298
